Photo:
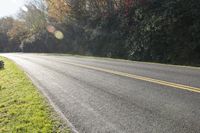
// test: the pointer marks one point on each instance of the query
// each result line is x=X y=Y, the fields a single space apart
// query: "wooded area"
x=166 y=31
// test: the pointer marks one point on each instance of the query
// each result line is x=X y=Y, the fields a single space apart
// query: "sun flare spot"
x=51 y=29
x=24 y=8
x=59 y=35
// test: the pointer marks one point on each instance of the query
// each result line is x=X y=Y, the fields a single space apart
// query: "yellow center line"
x=151 y=80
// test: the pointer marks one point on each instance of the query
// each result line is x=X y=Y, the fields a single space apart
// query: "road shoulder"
x=22 y=107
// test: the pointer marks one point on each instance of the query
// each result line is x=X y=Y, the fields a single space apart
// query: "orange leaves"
x=18 y=30
x=58 y=9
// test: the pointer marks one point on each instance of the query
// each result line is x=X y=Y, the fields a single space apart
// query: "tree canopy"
x=166 y=31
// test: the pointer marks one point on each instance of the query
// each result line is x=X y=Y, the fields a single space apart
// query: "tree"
x=58 y=10
x=148 y=30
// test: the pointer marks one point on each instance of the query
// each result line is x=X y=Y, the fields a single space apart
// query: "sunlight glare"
x=24 y=8
x=14 y=1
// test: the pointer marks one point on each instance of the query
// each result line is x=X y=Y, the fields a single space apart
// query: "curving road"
x=96 y=95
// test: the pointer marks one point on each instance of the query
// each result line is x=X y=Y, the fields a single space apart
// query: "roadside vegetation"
x=22 y=108
x=165 y=31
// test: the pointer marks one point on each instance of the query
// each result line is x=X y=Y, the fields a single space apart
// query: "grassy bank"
x=22 y=108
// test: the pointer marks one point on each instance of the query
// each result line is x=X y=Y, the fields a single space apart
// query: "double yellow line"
x=151 y=80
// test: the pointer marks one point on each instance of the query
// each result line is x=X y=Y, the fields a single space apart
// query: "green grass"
x=22 y=108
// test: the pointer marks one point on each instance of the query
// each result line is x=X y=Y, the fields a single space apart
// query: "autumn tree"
x=58 y=10
x=6 y=24
x=147 y=30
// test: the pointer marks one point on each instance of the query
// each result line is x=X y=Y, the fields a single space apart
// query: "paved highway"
x=96 y=95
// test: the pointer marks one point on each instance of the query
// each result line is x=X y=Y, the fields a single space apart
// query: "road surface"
x=113 y=96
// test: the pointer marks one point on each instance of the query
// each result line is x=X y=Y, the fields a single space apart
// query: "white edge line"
x=56 y=108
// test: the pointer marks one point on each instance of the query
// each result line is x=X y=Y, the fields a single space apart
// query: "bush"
x=1 y=64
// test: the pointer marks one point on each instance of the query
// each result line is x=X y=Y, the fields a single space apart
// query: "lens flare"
x=59 y=35
x=51 y=29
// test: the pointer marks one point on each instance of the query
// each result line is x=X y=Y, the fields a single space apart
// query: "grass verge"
x=22 y=108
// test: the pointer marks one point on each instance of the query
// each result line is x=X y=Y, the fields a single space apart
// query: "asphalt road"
x=113 y=96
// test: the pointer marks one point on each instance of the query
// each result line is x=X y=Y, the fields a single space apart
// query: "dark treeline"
x=166 y=31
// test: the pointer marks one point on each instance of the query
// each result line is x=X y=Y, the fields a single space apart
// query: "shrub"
x=1 y=64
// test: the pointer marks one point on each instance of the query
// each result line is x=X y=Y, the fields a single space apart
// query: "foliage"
x=149 y=30
x=1 y=64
